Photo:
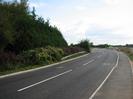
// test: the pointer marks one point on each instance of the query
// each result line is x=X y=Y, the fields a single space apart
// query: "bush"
x=7 y=60
x=38 y=56
x=21 y=29
x=85 y=44
x=72 y=49
x=42 y=55
x=55 y=53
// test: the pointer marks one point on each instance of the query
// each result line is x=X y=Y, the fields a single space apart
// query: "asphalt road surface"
x=103 y=74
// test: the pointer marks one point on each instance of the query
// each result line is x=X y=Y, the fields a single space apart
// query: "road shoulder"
x=119 y=85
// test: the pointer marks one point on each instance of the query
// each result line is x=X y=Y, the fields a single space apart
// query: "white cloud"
x=112 y=17
x=38 y=5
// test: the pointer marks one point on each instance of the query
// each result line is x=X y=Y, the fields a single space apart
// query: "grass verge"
x=23 y=68
x=74 y=55
x=128 y=51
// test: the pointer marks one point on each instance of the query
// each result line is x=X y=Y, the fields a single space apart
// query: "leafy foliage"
x=22 y=30
x=42 y=56
x=7 y=60
x=103 y=46
x=72 y=49
x=85 y=44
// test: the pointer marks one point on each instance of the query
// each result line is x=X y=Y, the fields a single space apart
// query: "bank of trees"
x=21 y=29
x=27 y=39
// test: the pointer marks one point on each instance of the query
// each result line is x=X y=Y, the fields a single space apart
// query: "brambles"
x=38 y=56
x=42 y=55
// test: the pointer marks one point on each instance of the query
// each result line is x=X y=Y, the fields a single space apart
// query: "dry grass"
x=128 y=51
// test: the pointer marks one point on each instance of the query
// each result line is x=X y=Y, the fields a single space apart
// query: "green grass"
x=76 y=55
x=17 y=69
x=130 y=56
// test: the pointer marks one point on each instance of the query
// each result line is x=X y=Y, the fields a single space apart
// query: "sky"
x=100 y=21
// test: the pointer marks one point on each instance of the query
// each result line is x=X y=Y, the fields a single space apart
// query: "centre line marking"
x=94 y=93
x=44 y=80
x=89 y=62
x=99 y=56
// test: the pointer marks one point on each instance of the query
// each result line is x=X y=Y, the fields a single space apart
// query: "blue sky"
x=101 y=21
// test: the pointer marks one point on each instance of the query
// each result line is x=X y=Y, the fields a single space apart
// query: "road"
x=103 y=74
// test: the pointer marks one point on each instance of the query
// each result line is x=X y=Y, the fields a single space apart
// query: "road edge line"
x=42 y=67
x=131 y=64
x=98 y=88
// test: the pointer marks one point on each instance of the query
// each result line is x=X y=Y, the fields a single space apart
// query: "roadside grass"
x=127 y=51
x=74 y=55
x=17 y=69
x=131 y=57
x=23 y=68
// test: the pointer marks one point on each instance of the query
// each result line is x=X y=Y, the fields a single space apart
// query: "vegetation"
x=28 y=41
x=42 y=55
x=85 y=44
x=26 y=38
x=38 y=56
x=103 y=46
x=128 y=51
x=72 y=49
x=22 y=30
x=74 y=55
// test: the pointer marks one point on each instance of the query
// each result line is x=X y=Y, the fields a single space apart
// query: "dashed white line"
x=99 y=56
x=60 y=67
x=42 y=67
x=22 y=89
x=89 y=62
x=94 y=93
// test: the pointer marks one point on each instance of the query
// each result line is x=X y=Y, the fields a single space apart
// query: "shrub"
x=72 y=49
x=7 y=60
x=29 y=57
x=42 y=55
x=55 y=53
x=85 y=44
x=11 y=61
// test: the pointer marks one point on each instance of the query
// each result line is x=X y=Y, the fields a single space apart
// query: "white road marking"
x=43 y=67
x=89 y=62
x=106 y=64
x=60 y=67
x=22 y=89
x=99 y=56
x=94 y=93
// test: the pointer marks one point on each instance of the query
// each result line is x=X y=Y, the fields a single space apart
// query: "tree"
x=85 y=44
x=33 y=13
x=21 y=30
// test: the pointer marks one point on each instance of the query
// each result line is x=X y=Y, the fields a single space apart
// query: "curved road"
x=103 y=74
